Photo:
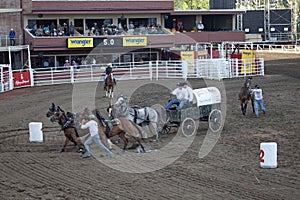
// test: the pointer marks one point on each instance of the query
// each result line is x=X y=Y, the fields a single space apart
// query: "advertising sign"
x=80 y=42
x=189 y=57
x=21 y=79
x=134 y=41
x=248 y=56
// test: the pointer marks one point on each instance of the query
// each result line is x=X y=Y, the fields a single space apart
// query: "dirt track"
x=230 y=171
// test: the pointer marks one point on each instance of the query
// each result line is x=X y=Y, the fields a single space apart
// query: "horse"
x=51 y=110
x=109 y=86
x=117 y=129
x=140 y=116
x=67 y=126
x=245 y=95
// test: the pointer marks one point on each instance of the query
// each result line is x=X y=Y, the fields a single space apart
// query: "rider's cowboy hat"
x=179 y=84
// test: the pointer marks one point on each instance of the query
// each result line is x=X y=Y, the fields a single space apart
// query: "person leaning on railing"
x=12 y=35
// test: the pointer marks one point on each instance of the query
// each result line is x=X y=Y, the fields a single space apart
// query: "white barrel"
x=35 y=132
x=268 y=154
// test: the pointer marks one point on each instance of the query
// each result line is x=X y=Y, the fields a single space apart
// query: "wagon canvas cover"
x=207 y=99
x=207 y=96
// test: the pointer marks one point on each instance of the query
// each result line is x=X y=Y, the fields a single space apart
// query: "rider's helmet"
x=257 y=86
x=91 y=116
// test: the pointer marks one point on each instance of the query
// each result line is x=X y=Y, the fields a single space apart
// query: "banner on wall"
x=134 y=41
x=21 y=79
x=189 y=57
x=80 y=42
x=248 y=57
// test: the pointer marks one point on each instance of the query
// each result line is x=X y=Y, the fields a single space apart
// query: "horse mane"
x=99 y=117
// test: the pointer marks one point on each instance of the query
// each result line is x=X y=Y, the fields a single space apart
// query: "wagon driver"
x=182 y=97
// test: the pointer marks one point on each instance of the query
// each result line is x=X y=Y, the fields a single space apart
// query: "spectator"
x=96 y=27
x=131 y=25
x=200 y=27
x=46 y=63
x=55 y=34
x=75 y=64
x=66 y=29
x=40 y=31
x=66 y=65
x=52 y=27
x=71 y=29
x=181 y=27
x=12 y=35
x=46 y=30
x=92 y=125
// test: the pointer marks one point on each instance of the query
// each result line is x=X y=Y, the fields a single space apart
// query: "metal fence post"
x=236 y=67
x=184 y=69
x=72 y=74
x=262 y=66
x=156 y=70
x=150 y=70
x=31 y=77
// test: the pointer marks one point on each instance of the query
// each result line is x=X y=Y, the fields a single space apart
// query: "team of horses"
x=108 y=128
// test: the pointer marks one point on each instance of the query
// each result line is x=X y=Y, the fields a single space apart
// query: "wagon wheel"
x=165 y=130
x=215 y=120
x=188 y=127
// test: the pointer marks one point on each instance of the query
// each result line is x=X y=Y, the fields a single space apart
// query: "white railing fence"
x=202 y=68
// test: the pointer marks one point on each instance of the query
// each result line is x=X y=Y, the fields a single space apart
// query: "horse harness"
x=135 y=116
x=68 y=123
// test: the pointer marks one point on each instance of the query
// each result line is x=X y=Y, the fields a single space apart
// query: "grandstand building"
x=114 y=31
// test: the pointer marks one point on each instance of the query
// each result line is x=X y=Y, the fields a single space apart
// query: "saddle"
x=112 y=122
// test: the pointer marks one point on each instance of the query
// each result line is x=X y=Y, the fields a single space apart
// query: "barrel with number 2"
x=268 y=154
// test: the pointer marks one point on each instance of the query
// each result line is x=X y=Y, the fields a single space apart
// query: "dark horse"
x=245 y=95
x=117 y=129
x=109 y=86
x=67 y=125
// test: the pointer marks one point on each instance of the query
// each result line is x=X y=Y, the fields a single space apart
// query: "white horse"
x=140 y=116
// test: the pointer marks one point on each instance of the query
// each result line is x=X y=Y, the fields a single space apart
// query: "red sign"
x=21 y=79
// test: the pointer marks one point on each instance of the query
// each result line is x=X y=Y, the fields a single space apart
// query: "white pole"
x=11 y=78
x=30 y=69
x=150 y=70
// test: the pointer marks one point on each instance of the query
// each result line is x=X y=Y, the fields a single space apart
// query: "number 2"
x=262 y=154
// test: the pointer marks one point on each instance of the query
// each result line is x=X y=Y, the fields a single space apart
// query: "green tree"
x=191 y=4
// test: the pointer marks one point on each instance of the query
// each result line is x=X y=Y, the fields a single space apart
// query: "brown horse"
x=68 y=126
x=245 y=95
x=117 y=129
x=109 y=86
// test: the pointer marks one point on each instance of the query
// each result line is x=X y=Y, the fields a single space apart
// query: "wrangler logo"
x=80 y=42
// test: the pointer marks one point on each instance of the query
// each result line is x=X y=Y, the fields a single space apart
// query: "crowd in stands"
x=95 y=30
